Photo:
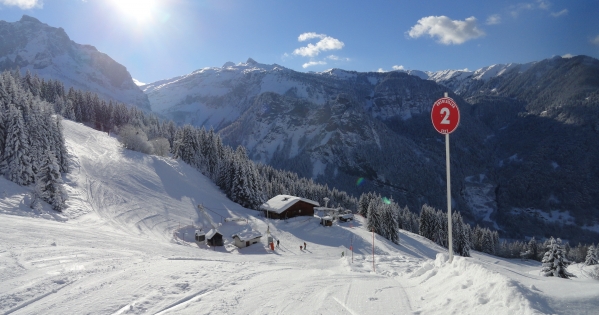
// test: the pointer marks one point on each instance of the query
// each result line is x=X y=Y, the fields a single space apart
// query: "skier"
x=304 y=245
x=277 y=243
x=300 y=247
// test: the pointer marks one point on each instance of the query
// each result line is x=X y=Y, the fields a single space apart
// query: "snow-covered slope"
x=49 y=52
x=124 y=246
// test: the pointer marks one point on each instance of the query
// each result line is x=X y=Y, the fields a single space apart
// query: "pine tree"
x=533 y=248
x=373 y=218
x=591 y=258
x=37 y=195
x=461 y=242
x=16 y=164
x=363 y=204
x=425 y=227
x=554 y=261
x=51 y=182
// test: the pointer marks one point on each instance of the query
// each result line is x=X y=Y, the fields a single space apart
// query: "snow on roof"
x=281 y=203
x=211 y=233
x=200 y=232
x=247 y=235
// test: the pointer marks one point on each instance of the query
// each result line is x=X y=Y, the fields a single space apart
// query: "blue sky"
x=159 y=39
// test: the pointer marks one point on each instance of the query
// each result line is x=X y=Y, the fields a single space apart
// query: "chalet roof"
x=211 y=233
x=200 y=232
x=281 y=203
x=247 y=235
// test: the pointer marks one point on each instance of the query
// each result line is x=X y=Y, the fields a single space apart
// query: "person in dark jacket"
x=304 y=245
x=277 y=243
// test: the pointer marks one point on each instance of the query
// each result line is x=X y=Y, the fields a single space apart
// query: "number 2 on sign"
x=445 y=111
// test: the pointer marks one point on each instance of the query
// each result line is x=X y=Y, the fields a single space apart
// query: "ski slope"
x=125 y=245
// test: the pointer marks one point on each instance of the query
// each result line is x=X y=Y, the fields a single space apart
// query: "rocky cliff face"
x=31 y=45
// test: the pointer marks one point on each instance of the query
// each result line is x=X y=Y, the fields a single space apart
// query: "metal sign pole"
x=373 y=267
x=449 y=229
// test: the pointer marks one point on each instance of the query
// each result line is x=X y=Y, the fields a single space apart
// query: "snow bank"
x=465 y=287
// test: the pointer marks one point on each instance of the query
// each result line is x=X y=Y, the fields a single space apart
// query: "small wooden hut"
x=326 y=221
x=214 y=238
x=200 y=236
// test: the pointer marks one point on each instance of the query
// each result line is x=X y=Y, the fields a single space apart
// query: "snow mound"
x=465 y=287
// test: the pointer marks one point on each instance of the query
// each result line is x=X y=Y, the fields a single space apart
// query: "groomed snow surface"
x=125 y=245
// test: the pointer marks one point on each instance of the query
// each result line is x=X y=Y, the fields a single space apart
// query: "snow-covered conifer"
x=16 y=163
x=555 y=261
x=373 y=218
x=591 y=258
x=51 y=181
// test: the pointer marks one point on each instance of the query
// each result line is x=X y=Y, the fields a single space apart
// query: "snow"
x=211 y=233
x=121 y=248
x=281 y=203
x=137 y=82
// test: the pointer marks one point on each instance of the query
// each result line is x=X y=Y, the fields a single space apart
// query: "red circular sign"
x=445 y=115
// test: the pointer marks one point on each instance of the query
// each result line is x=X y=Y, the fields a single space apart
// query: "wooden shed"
x=285 y=206
x=326 y=221
x=214 y=238
x=246 y=238
x=200 y=236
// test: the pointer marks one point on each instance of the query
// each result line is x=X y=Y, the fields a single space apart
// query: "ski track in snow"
x=125 y=245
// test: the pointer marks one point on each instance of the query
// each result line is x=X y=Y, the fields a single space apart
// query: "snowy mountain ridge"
x=460 y=81
x=49 y=52
x=124 y=245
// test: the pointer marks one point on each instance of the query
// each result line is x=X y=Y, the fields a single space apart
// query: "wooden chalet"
x=285 y=206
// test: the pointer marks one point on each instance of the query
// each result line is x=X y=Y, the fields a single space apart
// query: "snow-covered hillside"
x=49 y=52
x=124 y=245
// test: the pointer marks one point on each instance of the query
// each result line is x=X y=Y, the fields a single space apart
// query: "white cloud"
x=560 y=13
x=544 y=4
x=515 y=10
x=380 y=70
x=446 y=30
x=325 y=43
x=568 y=56
x=595 y=40
x=24 y=4
x=337 y=58
x=313 y=63
x=306 y=36
x=398 y=68
x=494 y=19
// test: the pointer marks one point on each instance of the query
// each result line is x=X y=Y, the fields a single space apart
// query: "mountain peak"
x=27 y=18
x=251 y=61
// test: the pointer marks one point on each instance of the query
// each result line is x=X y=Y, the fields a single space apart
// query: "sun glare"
x=141 y=11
